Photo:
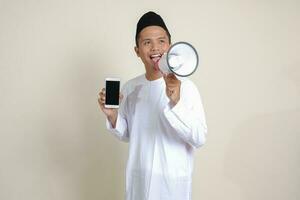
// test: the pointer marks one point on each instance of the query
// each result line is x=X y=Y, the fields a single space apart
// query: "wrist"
x=113 y=119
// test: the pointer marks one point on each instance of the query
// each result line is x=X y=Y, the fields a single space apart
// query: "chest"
x=145 y=105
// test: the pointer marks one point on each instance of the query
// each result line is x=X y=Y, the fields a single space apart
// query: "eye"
x=147 y=42
x=162 y=41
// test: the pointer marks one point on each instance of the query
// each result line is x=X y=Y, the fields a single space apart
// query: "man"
x=162 y=119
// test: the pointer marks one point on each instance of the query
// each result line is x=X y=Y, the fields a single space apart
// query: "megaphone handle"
x=157 y=68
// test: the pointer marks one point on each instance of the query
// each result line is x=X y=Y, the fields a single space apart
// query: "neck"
x=153 y=76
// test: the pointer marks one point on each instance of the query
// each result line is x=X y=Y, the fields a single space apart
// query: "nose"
x=155 y=46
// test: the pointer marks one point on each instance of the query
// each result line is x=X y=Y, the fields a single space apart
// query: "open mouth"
x=155 y=58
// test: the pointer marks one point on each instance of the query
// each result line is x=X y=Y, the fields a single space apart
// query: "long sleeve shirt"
x=161 y=138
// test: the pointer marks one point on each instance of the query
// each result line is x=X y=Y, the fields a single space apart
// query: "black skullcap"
x=150 y=19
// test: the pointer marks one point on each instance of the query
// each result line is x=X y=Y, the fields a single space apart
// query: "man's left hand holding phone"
x=109 y=99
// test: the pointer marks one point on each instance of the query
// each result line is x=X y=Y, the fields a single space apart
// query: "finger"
x=173 y=78
x=171 y=75
x=173 y=84
x=167 y=80
x=165 y=77
x=102 y=95
x=101 y=103
x=171 y=90
x=102 y=92
x=170 y=78
x=102 y=99
x=168 y=92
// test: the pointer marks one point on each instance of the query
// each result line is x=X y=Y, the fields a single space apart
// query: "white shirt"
x=161 y=139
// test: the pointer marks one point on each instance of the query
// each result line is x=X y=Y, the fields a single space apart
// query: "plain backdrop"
x=55 y=54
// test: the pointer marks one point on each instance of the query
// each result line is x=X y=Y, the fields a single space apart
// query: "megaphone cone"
x=181 y=59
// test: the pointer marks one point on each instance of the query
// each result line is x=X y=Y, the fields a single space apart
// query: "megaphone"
x=181 y=59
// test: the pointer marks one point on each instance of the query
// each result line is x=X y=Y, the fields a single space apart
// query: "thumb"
x=172 y=76
x=165 y=76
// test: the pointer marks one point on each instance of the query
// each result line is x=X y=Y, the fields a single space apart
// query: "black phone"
x=112 y=92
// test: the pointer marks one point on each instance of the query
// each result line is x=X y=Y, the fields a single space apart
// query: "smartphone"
x=112 y=92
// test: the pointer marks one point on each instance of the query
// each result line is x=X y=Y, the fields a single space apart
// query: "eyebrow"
x=159 y=38
x=162 y=37
x=145 y=39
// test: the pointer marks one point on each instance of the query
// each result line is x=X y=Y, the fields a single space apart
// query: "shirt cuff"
x=177 y=109
x=120 y=127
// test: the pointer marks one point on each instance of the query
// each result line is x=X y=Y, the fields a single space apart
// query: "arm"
x=119 y=129
x=187 y=116
x=115 y=121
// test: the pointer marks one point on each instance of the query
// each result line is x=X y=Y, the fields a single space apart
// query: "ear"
x=136 y=49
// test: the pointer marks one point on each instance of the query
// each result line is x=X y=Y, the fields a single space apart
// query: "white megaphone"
x=181 y=59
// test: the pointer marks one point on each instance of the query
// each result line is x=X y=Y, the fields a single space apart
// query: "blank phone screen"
x=112 y=92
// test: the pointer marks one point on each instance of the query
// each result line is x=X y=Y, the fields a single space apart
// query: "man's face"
x=153 y=42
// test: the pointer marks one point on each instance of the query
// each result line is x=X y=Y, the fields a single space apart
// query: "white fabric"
x=161 y=139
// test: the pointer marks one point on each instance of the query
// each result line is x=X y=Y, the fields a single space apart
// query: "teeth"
x=156 y=55
x=155 y=58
